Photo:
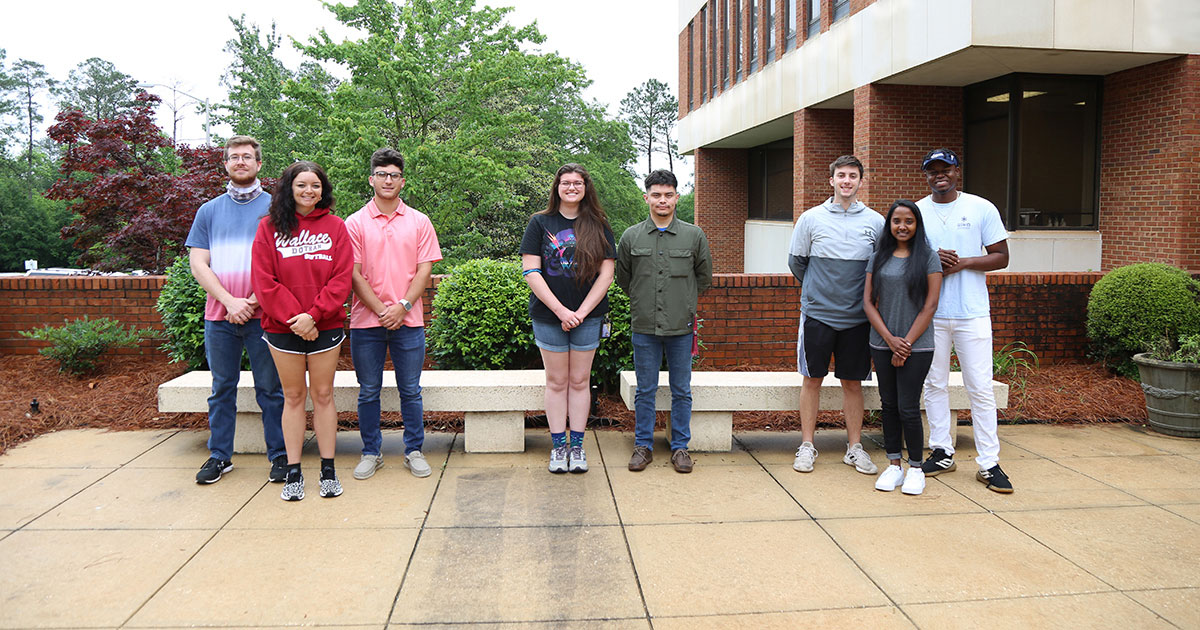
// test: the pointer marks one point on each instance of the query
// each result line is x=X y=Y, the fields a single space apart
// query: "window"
x=754 y=35
x=690 y=56
x=737 y=38
x=1033 y=146
x=770 y=185
x=725 y=44
x=703 y=57
x=714 y=17
x=814 y=18
x=841 y=8
x=770 y=26
x=789 y=8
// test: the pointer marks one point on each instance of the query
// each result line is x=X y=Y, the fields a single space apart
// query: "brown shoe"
x=642 y=457
x=681 y=461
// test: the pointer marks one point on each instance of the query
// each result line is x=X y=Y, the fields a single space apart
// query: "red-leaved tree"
x=135 y=195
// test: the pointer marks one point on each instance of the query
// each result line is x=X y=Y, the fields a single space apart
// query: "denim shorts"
x=552 y=338
x=291 y=343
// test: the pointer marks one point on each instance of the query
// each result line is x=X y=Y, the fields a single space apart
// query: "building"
x=1079 y=119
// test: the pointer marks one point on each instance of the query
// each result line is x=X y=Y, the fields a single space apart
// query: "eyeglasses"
x=387 y=176
x=249 y=157
x=570 y=185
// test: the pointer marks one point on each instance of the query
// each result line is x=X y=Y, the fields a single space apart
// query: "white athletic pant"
x=972 y=340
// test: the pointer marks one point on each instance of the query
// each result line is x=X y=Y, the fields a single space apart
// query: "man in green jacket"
x=663 y=264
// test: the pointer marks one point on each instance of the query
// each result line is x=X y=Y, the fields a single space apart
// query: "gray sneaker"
x=367 y=466
x=858 y=458
x=805 y=456
x=558 y=459
x=577 y=460
x=416 y=463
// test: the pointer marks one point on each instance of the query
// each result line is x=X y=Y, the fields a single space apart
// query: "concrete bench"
x=494 y=403
x=716 y=395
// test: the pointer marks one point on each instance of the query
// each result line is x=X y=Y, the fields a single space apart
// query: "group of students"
x=900 y=292
x=277 y=270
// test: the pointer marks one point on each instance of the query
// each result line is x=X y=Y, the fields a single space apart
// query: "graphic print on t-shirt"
x=305 y=243
x=558 y=250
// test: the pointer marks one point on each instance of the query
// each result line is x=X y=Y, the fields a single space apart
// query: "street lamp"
x=207 y=108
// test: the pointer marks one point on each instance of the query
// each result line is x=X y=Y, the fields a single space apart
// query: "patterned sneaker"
x=415 y=462
x=805 y=456
x=331 y=487
x=859 y=459
x=278 y=469
x=293 y=489
x=558 y=459
x=212 y=470
x=939 y=462
x=995 y=479
x=577 y=460
x=914 y=481
x=891 y=477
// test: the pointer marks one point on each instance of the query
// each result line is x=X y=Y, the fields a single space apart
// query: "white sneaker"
x=367 y=466
x=858 y=458
x=558 y=459
x=415 y=462
x=890 y=478
x=914 y=481
x=805 y=456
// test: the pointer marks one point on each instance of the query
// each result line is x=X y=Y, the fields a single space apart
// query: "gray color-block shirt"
x=895 y=306
x=828 y=254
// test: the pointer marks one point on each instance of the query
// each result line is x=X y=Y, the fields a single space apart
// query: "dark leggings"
x=900 y=401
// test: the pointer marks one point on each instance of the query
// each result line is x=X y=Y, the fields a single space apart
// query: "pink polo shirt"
x=389 y=248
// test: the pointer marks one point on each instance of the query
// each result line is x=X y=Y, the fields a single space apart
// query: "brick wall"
x=894 y=127
x=1150 y=158
x=721 y=202
x=820 y=136
x=748 y=319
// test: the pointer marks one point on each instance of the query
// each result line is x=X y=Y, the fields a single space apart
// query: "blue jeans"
x=648 y=351
x=369 y=348
x=223 y=343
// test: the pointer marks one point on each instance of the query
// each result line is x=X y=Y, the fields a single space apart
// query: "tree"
x=30 y=227
x=30 y=80
x=133 y=193
x=651 y=111
x=8 y=106
x=96 y=88
x=256 y=79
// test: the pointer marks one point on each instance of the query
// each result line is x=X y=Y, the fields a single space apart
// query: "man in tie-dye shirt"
x=219 y=253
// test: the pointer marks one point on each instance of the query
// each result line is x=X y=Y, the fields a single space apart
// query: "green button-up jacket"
x=663 y=272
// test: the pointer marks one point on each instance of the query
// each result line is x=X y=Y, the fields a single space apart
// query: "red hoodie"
x=308 y=273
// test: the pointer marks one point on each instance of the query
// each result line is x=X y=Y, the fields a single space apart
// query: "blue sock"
x=559 y=439
x=576 y=439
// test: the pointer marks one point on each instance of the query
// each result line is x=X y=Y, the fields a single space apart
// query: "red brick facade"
x=894 y=127
x=721 y=202
x=1150 y=165
x=820 y=136
x=749 y=320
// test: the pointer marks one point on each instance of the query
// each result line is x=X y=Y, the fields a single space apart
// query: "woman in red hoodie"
x=301 y=267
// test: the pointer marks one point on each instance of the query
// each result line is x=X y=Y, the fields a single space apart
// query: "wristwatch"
x=406 y=304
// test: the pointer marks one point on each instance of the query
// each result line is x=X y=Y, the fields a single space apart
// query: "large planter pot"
x=1172 y=395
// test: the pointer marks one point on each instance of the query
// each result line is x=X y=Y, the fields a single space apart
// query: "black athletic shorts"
x=291 y=343
x=817 y=342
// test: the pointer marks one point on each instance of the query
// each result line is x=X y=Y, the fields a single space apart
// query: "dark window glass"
x=814 y=18
x=841 y=8
x=703 y=57
x=725 y=43
x=714 y=17
x=1032 y=143
x=754 y=15
x=770 y=26
x=690 y=56
x=737 y=38
x=770 y=185
x=789 y=8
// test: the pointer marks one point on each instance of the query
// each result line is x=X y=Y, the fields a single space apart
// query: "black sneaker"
x=995 y=479
x=212 y=470
x=278 y=469
x=938 y=463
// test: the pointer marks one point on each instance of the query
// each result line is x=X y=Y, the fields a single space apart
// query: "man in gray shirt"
x=828 y=254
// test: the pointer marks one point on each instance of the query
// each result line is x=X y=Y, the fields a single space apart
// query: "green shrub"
x=78 y=345
x=1132 y=306
x=1188 y=350
x=481 y=318
x=615 y=353
x=181 y=304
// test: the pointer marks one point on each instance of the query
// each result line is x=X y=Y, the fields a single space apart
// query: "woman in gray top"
x=904 y=278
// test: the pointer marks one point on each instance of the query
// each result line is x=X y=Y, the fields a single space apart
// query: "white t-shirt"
x=966 y=225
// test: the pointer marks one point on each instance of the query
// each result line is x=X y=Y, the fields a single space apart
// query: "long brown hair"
x=591 y=246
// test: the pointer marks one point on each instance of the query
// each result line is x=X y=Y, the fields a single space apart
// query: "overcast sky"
x=621 y=43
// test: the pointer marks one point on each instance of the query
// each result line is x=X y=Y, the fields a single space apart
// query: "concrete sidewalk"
x=109 y=530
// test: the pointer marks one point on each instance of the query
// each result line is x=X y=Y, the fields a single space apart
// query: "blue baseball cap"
x=940 y=155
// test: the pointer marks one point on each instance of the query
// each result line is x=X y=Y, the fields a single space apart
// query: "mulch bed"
x=123 y=396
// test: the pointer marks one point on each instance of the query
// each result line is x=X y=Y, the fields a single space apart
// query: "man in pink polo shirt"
x=394 y=250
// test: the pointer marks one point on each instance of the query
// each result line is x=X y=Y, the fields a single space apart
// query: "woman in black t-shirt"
x=568 y=254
